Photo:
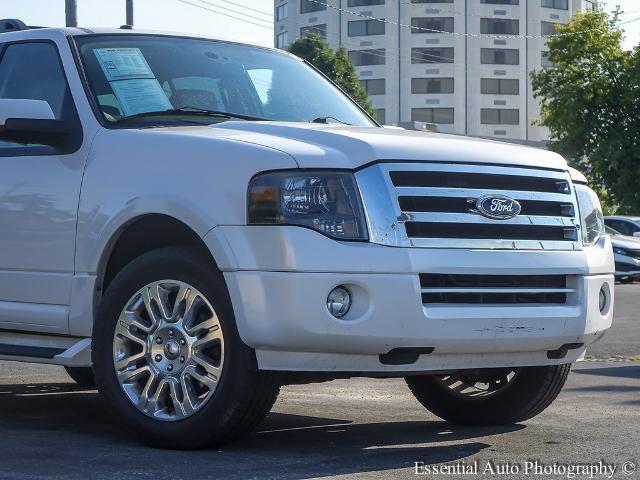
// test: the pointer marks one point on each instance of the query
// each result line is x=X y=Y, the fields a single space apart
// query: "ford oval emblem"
x=499 y=207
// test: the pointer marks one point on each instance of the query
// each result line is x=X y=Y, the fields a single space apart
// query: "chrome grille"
x=434 y=206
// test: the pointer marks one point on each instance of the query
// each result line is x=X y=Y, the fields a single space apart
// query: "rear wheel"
x=83 y=376
x=490 y=396
x=168 y=357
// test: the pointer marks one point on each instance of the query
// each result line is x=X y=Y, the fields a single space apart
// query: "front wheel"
x=168 y=357
x=490 y=396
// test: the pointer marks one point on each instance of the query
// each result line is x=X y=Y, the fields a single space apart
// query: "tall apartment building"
x=462 y=64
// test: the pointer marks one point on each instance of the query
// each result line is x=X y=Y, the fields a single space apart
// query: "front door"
x=39 y=191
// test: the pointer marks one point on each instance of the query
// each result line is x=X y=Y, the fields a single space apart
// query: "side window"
x=622 y=227
x=33 y=71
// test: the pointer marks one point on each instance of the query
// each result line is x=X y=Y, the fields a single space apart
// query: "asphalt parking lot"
x=344 y=429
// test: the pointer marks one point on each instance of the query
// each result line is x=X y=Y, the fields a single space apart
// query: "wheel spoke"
x=213 y=335
x=125 y=332
x=181 y=404
x=186 y=300
x=155 y=305
x=129 y=375
x=147 y=401
x=129 y=360
x=212 y=370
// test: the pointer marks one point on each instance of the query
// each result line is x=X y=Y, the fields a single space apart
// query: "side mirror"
x=31 y=121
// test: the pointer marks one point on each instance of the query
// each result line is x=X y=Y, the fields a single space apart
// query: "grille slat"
x=490 y=231
x=520 y=195
x=440 y=288
x=476 y=218
x=462 y=205
x=468 y=180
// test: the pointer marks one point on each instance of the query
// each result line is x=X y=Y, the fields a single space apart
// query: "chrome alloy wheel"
x=479 y=385
x=168 y=350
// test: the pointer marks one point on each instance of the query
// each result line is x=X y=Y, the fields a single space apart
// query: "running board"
x=43 y=348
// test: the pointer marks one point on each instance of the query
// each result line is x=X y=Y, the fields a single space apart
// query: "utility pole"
x=130 y=12
x=71 y=13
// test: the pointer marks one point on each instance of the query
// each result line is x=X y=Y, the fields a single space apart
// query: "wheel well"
x=144 y=235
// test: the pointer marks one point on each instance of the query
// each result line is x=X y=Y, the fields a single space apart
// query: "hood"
x=343 y=146
x=623 y=241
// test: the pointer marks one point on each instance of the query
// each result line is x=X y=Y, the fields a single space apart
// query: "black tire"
x=244 y=395
x=83 y=376
x=530 y=392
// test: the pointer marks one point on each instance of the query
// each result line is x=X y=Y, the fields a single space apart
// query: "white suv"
x=195 y=222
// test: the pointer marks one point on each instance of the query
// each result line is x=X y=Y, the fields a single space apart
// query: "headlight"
x=620 y=251
x=326 y=201
x=591 y=218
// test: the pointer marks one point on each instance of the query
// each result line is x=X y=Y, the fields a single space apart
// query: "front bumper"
x=279 y=278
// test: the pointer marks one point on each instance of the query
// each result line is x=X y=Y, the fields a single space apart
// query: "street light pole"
x=130 y=12
x=71 y=13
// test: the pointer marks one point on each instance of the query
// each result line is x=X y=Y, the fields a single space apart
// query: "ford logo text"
x=498 y=207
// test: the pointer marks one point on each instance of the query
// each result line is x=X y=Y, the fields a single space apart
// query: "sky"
x=185 y=16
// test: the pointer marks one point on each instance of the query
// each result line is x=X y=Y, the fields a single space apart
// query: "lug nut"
x=171 y=333
x=170 y=367
x=158 y=358
x=183 y=341
x=159 y=341
x=181 y=359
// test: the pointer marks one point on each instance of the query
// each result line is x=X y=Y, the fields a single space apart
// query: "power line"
x=269 y=14
x=225 y=14
x=234 y=11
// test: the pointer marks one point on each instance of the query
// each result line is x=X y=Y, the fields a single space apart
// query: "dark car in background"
x=626 y=252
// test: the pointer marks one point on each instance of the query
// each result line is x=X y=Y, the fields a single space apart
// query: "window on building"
x=432 y=85
x=381 y=116
x=361 y=28
x=558 y=4
x=591 y=5
x=501 y=2
x=433 y=115
x=374 y=86
x=431 y=24
x=500 y=56
x=308 y=6
x=548 y=28
x=499 y=26
x=364 y=3
x=320 y=30
x=432 y=55
x=500 y=116
x=282 y=11
x=374 y=56
x=499 y=86
x=282 y=40
x=545 y=60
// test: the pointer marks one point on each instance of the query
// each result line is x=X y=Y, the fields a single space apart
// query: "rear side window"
x=33 y=71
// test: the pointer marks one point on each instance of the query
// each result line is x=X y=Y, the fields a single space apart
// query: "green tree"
x=590 y=101
x=335 y=65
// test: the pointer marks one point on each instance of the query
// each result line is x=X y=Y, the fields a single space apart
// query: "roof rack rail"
x=12 y=25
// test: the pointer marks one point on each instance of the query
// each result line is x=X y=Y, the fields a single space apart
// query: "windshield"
x=133 y=75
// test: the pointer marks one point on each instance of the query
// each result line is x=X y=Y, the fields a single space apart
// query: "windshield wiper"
x=192 y=111
x=326 y=120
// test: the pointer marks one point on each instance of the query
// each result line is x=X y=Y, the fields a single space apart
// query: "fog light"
x=339 y=302
x=602 y=299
